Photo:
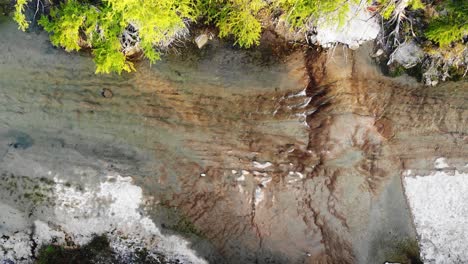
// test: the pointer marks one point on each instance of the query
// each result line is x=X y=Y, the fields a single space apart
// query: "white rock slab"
x=360 y=26
x=439 y=204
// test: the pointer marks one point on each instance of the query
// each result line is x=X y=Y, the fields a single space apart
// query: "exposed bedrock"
x=255 y=160
x=367 y=130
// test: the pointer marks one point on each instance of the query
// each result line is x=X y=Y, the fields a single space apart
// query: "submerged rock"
x=107 y=93
x=201 y=40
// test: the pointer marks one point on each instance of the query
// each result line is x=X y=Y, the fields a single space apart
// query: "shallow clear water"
x=229 y=148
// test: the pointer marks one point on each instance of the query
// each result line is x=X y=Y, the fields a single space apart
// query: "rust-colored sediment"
x=356 y=145
x=286 y=161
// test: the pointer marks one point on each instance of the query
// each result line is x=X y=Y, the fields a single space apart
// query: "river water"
x=233 y=156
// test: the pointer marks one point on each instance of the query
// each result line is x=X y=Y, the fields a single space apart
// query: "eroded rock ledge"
x=291 y=161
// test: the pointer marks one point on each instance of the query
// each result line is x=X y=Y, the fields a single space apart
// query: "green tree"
x=300 y=12
x=115 y=29
x=451 y=27
x=112 y=28
x=105 y=27
x=19 y=16
x=234 y=17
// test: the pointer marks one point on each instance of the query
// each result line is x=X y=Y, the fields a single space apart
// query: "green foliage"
x=105 y=26
x=47 y=253
x=396 y=71
x=388 y=11
x=19 y=16
x=109 y=58
x=239 y=20
x=97 y=251
x=416 y=4
x=158 y=21
x=300 y=12
x=67 y=22
x=451 y=27
x=389 y=7
x=406 y=252
x=234 y=17
x=101 y=26
x=74 y=24
x=185 y=226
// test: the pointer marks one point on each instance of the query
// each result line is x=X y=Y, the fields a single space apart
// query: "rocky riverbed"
x=218 y=155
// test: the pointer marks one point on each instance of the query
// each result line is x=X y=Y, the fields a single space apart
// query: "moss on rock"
x=97 y=251
x=405 y=252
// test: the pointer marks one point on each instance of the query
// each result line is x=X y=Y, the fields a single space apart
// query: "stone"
x=408 y=55
x=107 y=93
x=201 y=40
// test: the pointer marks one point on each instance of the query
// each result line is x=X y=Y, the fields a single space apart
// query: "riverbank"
x=427 y=40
